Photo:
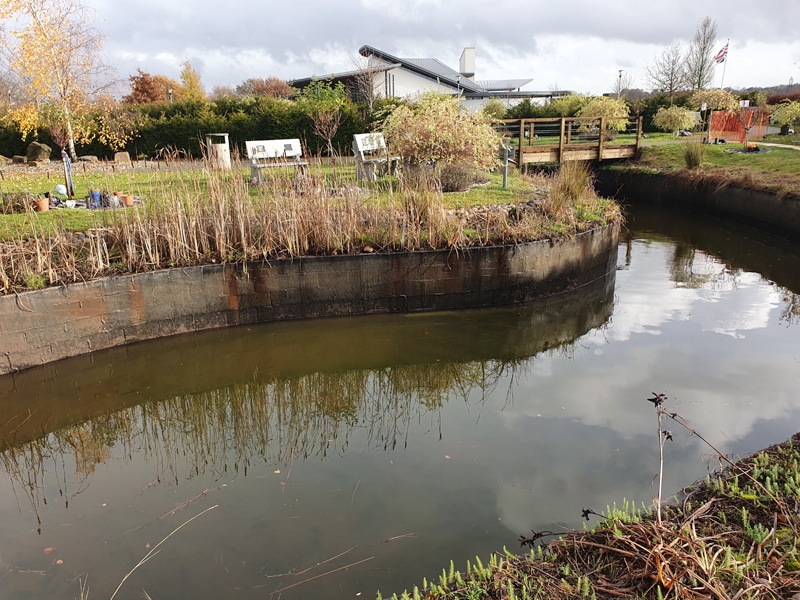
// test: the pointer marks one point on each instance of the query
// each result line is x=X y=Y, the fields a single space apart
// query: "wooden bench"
x=372 y=157
x=265 y=154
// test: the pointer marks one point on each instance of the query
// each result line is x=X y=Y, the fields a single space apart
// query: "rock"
x=38 y=152
x=122 y=158
x=17 y=159
x=88 y=158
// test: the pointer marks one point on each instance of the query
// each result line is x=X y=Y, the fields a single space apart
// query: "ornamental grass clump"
x=572 y=189
x=693 y=154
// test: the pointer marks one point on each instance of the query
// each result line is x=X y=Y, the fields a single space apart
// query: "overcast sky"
x=578 y=45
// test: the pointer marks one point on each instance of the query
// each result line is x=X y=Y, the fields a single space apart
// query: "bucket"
x=94 y=199
x=127 y=199
x=42 y=204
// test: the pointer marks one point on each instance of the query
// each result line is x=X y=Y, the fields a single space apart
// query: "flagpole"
x=724 y=64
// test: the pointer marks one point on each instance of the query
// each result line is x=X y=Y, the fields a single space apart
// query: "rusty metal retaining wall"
x=758 y=209
x=47 y=325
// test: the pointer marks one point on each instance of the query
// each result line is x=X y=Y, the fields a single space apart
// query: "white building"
x=385 y=75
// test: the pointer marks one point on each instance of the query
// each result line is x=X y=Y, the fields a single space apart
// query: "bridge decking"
x=560 y=139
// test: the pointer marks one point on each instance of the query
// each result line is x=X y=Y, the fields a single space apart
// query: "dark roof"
x=427 y=67
x=336 y=77
x=432 y=69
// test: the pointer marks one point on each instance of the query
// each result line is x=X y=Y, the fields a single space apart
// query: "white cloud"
x=581 y=45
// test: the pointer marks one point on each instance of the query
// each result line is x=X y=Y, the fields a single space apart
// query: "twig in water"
x=153 y=550
x=400 y=537
x=307 y=569
x=353 y=497
x=185 y=504
x=280 y=590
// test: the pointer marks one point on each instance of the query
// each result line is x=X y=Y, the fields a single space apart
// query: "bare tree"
x=667 y=74
x=700 y=65
x=271 y=87
x=366 y=68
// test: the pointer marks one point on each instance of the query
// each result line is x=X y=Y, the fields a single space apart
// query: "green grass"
x=789 y=140
x=14 y=225
x=778 y=160
x=493 y=192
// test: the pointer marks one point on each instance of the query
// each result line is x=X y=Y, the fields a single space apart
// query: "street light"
x=458 y=85
x=169 y=92
x=619 y=85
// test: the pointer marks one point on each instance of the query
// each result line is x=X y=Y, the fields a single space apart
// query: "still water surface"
x=390 y=445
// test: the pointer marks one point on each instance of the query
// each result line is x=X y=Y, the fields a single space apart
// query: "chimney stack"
x=466 y=64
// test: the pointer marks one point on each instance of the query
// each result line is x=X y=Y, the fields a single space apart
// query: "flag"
x=722 y=54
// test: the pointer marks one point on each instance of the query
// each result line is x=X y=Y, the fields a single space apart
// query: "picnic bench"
x=372 y=157
x=266 y=154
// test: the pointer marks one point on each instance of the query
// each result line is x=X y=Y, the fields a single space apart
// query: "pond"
x=334 y=458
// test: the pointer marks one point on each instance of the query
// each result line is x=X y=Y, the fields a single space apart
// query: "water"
x=335 y=458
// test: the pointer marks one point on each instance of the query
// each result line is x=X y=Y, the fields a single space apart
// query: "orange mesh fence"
x=732 y=127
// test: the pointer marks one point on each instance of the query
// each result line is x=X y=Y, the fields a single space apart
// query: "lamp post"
x=619 y=84
x=458 y=85
x=169 y=92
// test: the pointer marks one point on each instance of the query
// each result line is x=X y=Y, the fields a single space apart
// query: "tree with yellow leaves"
x=192 y=88
x=54 y=51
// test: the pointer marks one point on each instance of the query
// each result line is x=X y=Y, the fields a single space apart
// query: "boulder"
x=88 y=158
x=38 y=152
x=122 y=158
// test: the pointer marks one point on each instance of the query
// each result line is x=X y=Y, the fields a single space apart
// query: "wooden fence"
x=560 y=139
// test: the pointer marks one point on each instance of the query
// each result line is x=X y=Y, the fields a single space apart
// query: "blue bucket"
x=95 y=196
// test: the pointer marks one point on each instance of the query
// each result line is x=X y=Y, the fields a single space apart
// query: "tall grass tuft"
x=572 y=186
x=693 y=154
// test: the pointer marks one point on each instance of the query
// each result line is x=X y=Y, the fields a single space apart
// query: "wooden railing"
x=561 y=139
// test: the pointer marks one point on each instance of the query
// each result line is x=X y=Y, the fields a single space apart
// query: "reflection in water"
x=383 y=447
x=274 y=418
x=790 y=313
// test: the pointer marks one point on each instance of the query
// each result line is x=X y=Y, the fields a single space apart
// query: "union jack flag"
x=722 y=54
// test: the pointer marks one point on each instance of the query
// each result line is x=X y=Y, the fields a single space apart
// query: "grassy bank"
x=773 y=169
x=199 y=216
x=731 y=536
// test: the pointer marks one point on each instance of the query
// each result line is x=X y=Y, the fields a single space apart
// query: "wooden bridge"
x=559 y=139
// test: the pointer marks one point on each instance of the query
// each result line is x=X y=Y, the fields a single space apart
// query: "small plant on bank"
x=35 y=281
x=457 y=177
x=693 y=153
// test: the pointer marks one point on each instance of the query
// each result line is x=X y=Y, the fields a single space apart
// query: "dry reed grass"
x=211 y=217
